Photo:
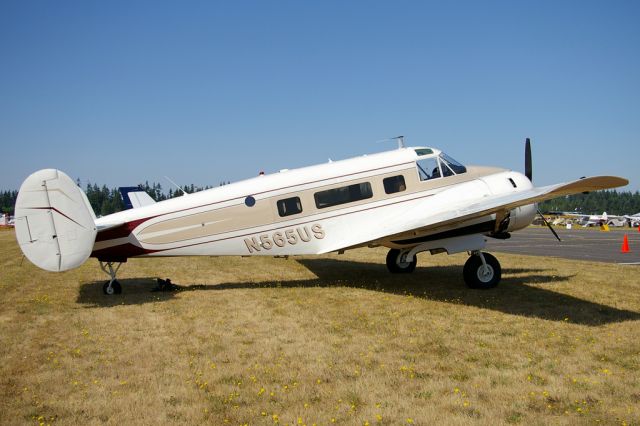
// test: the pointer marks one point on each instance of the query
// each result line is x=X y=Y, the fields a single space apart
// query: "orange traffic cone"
x=625 y=244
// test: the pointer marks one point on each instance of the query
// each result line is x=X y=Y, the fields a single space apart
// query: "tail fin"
x=134 y=197
x=54 y=222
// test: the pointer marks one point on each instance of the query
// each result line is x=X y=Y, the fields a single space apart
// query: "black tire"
x=116 y=288
x=396 y=267
x=476 y=277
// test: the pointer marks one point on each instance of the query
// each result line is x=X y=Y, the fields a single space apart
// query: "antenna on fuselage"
x=400 y=140
x=176 y=185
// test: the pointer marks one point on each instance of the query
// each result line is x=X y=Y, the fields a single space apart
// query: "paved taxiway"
x=576 y=244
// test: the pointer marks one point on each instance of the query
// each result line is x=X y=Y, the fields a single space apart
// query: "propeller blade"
x=549 y=225
x=528 y=169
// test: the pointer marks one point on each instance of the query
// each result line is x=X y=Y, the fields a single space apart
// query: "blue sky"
x=123 y=92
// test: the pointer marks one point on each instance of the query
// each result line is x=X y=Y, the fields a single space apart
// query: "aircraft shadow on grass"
x=442 y=283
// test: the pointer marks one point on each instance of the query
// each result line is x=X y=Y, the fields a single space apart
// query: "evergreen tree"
x=8 y=201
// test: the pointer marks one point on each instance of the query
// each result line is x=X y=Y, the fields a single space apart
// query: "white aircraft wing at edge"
x=415 y=219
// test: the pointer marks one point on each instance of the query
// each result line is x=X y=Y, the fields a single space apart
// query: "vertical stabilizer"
x=54 y=222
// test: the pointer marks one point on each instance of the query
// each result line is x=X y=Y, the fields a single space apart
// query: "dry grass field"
x=319 y=340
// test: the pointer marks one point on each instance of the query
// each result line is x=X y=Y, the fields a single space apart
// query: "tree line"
x=7 y=201
x=106 y=201
x=612 y=202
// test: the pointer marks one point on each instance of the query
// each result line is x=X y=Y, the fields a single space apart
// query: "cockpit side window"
x=428 y=168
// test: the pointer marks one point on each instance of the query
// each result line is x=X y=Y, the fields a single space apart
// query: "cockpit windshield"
x=453 y=164
x=434 y=167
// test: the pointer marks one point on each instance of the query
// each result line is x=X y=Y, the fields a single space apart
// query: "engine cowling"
x=521 y=217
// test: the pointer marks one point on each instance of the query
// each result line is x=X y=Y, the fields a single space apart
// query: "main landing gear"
x=112 y=286
x=481 y=270
x=397 y=262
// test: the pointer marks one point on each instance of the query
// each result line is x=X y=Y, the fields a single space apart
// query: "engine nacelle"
x=521 y=217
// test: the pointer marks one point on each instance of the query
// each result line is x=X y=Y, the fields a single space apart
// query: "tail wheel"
x=477 y=274
x=114 y=288
x=397 y=263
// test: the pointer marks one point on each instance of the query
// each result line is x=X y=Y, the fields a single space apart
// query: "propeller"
x=528 y=172
x=553 y=231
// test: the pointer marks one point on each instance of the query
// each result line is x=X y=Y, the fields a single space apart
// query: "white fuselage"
x=303 y=211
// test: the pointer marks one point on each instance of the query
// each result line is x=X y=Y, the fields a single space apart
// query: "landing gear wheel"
x=115 y=288
x=478 y=275
x=112 y=286
x=396 y=262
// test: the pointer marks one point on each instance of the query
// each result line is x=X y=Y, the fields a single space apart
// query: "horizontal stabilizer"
x=55 y=225
x=134 y=197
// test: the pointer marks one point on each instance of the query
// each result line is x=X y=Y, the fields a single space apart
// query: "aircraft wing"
x=502 y=203
x=448 y=214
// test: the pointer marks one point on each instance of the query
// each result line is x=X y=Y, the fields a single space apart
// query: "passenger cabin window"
x=346 y=194
x=394 y=184
x=289 y=206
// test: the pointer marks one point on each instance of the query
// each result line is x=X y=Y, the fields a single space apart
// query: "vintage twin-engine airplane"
x=410 y=200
